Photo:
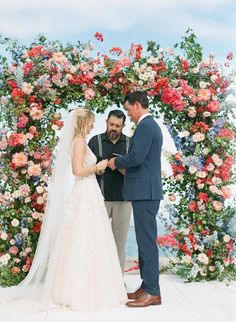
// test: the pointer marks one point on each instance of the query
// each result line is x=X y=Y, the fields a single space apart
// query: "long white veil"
x=38 y=278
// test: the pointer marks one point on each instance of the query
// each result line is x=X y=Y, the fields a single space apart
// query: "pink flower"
x=35 y=112
x=98 y=36
x=204 y=94
x=19 y=159
x=89 y=93
x=24 y=190
x=13 y=250
x=3 y=144
x=217 y=205
x=213 y=106
x=230 y=56
x=34 y=170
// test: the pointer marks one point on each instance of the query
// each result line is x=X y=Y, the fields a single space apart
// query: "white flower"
x=192 y=169
x=206 y=114
x=226 y=238
x=152 y=60
x=3 y=235
x=203 y=258
x=214 y=78
x=39 y=189
x=179 y=177
x=200 y=186
x=205 y=151
x=212 y=268
x=202 y=84
x=27 y=88
x=201 y=174
x=15 y=222
x=217 y=160
x=187 y=259
x=210 y=167
x=184 y=134
x=12 y=241
x=198 y=137
x=25 y=231
x=216 y=180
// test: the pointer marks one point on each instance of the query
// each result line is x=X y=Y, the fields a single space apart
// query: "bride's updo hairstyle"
x=83 y=117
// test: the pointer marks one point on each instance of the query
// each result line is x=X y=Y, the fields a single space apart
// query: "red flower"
x=226 y=133
x=28 y=67
x=12 y=84
x=37 y=227
x=36 y=51
x=116 y=50
x=213 y=106
x=203 y=196
x=230 y=56
x=199 y=126
x=185 y=64
x=98 y=36
x=192 y=206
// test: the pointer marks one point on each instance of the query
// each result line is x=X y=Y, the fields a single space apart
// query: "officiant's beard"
x=113 y=135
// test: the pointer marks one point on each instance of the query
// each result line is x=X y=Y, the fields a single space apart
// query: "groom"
x=143 y=186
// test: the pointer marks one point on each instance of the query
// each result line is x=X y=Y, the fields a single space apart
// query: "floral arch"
x=41 y=80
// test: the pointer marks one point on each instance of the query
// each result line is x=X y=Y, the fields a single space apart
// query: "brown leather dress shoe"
x=136 y=294
x=145 y=300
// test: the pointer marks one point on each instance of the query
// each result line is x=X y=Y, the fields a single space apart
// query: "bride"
x=76 y=263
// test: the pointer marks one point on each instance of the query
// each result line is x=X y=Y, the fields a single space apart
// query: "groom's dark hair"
x=137 y=96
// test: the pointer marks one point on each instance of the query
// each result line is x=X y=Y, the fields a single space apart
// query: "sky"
x=123 y=22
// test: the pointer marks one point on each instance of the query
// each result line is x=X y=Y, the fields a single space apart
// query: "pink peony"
x=13 y=250
x=19 y=159
x=217 y=205
x=34 y=170
x=89 y=93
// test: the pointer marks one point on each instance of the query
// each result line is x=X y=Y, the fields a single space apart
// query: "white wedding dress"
x=88 y=274
x=83 y=272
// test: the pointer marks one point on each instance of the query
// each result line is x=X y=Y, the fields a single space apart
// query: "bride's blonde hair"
x=83 y=116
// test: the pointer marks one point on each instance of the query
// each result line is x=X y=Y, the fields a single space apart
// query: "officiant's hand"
x=111 y=164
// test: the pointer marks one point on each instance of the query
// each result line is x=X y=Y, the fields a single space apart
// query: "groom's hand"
x=111 y=164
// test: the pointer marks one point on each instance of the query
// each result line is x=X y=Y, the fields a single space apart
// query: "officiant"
x=105 y=146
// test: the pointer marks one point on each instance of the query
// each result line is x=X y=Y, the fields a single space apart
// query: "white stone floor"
x=182 y=302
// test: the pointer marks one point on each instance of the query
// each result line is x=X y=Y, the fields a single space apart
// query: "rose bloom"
x=24 y=190
x=39 y=189
x=13 y=250
x=27 y=88
x=213 y=106
x=200 y=186
x=3 y=235
x=187 y=259
x=89 y=93
x=192 y=111
x=204 y=94
x=206 y=114
x=226 y=192
x=3 y=144
x=217 y=160
x=226 y=238
x=216 y=180
x=179 y=177
x=211 y=268
x=40 y=200
x=15 y=222
x=15 y=270
x=35 y=113
x=210 y=167
x=217 y=205
x=19 y=159
x=201 y=174
x=214 y=189
x=192 y=169
x=198 y=137
x=203 y=258
x=34 y=170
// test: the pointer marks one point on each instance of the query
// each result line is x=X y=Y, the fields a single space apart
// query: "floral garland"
x=44 y=78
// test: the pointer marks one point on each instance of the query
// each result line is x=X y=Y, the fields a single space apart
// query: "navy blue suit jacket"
x=142 y=179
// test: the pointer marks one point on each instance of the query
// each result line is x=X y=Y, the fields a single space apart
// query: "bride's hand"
x=101 y=165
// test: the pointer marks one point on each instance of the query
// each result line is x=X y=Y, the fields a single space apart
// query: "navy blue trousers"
x=145 y=212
